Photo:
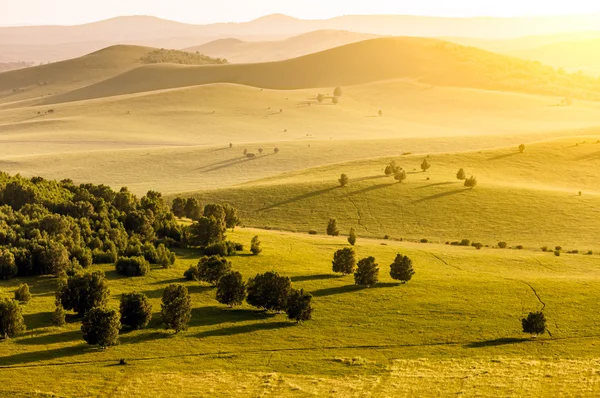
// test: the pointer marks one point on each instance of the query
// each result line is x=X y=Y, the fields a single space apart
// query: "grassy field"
x=458 y=319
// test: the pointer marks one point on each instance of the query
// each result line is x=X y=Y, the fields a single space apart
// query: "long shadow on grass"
x=440 y=195
x=45 y=355
x=233 y=330
x=437 y=184
x=371 y=188
x=300 y=197
x=496 y=342
x=506 y=155
x=130 y=337
x=66 y=337
x=169 y=281
x=38 y=320
x=208 y=316
x=320 y=277
x=158 y=293
x=330 y=291
x=589 y=156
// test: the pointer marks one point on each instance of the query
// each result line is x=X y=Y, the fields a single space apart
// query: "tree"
x=380 y=113
x=344 y=261
x=400 y=175
x=192 y=209
x=425 y=165
x=298 y=306
x=367 y=272
x=352 y=237
x=8 y=266
x=82 y=292
x=231 y=289
x=260 y=150
x=335 y=101
x=22 y=293
x=11 y=319
x=402 y=269
x=58 y=316
x=101 y=327
x=136 y=310
x=320 y=98
x=471 y=182
x=164 y=257
x=178 y=207
x=332 y=229
x=522 y=148
x=132 y=266
x=230 y=145
x=206 y=231
x=245 y=151
x=343 y=180
x=255 y=246
x=534 y=324
x=461 y=175
x=276 y=150
x=337 y=92
x=269 y=291
x=176 y=307
x=232 y=219
x=211 y=269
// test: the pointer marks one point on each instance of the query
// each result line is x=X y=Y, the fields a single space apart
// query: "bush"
x=461 y=175
x=545 y=248
x=589 y=253
x=58 y=316
x=238 y=247
x=522 y=148
x=502 y=245
x=312 y=232
x=101 y=257
x=82 y=292
x=352 y=237
x=471 y=182
x=136 y=310
x=344 y=261
x=534 y=324
x=343 y=180
x=132 y=266
x=216 y=249
x=22 y=293
x=465 y=242
x=11 y=319
x=255 y=246
x=401 y=269
x=425 y=165
x=101 y=327
x=519 y=247
x=176 y=307
x=8 y=266
x=231 y=289
x=559 y=248
x=269 y=291
x=298 y=306
x=332 y=229
x=367 y=272
x=337 y=92
x=211 y=269
x=165 y=257
x=424 y=240
x=477 y=245
x=557 y=253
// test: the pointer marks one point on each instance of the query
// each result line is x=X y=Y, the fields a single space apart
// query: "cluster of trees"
x=335 y=99
x=164 y=56
x=398 y=172
x=50 y=227
x=366 y=270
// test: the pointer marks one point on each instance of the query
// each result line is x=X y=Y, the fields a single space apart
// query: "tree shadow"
x=300 y=197
x=507 y=155
x=330 y=291
x=222 y=163
x=496 y=342
x=371 y=188
x=113 y=275
x=377 y=177
x=38 y=320
x=589 y=156
x=209 y=316
x=195 y=289
x=192 y=289
x=440 y=195
x=169 y=281
x=53 y=338
x=44 y=355
x=233 y=330
x=128 y=337
x=321 y=277
x=437 y=184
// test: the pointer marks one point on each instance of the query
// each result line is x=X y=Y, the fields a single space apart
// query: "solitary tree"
x=298 y=306
x=380 y=113
x=367 y=272
x=402 y=269
x=276 y=150
x=255 y=246
x=522 y=148
x=534 y=324
x=231 y=289
x=22 y=293
x=344 y=261
x=136 y=310
x=352 y=237
x=332 y=229
x=400 y=175
x=269 y=291
x=425 y=165
x=11 y=319
x=176 y=307
x=343 y=180
x=101 y=327
x=320 y=98
x=461 y=175
x=260 y=150
x=230 y=145
x=471 y=182
x=337 y=92
x=335 y=101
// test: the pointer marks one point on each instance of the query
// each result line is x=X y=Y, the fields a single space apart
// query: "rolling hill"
x=238 y=51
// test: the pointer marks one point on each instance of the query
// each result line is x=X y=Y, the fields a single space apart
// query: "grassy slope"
x=461 y=310
x=528 y=199
x=432 y=61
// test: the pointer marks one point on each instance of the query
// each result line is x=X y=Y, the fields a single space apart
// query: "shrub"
x=238 y=247
x=337 y=92
x=132 y=266
x=231 y=289
x=255 y=246
x=136 y=310
x=11 y=319
x=312 y=232
x=343 y=180
x=344 y=261
x=22 y=293
x=58 y=316
x=401 y=269
x=519 y=247
x=165 y=258
x=424 y=240
x=559 y=248
x=545 y=248
x=352 y=237
x=589 y=253
x=502 y=245
x=192 y=274
x=380 y=113
x=82 y=292
x=557 y=253
x=101 y=257
x=477 y=245
x=298 y=306
x=534 y=324
x=8 y=266
x=471 y=182
x=211 y=269
x=176 y=307
x=367 y=272
x=465 y=242
x=522 y=148
x=101 y=327
x=216 y=249
x=332 y=229
x=461 y=175
x=269 y=291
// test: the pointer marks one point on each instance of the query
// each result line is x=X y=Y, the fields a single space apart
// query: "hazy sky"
x=68 y=12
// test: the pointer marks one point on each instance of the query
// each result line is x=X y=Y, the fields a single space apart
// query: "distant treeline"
x=163 y=56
